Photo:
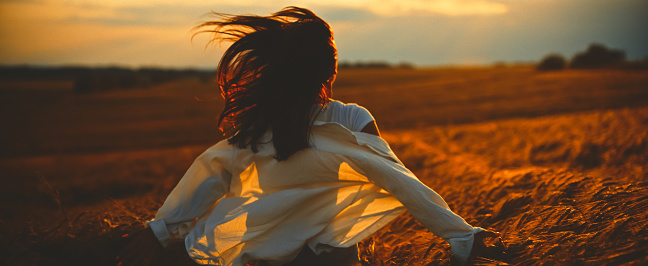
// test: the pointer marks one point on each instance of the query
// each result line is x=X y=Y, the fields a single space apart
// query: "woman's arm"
x=423 y=203
x=204 y=183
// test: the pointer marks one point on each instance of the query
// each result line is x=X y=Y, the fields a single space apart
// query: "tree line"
x=596 y=56
x=92 y=79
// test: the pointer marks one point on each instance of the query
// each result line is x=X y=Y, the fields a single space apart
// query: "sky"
x=147 y=33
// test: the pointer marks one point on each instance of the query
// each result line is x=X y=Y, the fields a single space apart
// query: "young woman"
x=300 y=178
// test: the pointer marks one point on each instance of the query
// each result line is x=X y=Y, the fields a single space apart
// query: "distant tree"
x=405 y=65
x=500 y=64
x=83 y=84
x=552 y=62
x=96 y=79
x=641 y=64
x=374 y=65
x=597 y=56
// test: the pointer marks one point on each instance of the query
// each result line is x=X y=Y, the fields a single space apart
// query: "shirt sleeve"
x=422 y=202
x=205 y=182
x=356 y=117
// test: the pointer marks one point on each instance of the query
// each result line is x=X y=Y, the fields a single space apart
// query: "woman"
x=300 y=177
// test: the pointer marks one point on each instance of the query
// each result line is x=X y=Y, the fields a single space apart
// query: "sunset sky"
x=424 y=32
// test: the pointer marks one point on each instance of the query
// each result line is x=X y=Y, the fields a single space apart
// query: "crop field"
x=556 y=161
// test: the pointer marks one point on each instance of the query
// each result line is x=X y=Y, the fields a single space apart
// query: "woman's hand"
x=479 y=248
x=143 y=249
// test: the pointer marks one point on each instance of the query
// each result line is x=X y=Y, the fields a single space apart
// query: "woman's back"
x=265 y=209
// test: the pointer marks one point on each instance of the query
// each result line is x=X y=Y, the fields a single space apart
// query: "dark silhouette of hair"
x=273 y=76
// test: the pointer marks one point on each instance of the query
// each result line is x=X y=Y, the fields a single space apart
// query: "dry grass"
x=561 y=174
x=576 y=206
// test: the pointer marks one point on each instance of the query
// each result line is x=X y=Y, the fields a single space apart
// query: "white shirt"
x=234 y=206
x=351 y=116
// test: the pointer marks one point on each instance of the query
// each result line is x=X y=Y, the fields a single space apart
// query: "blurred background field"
x=556 y=160
x=49 y=116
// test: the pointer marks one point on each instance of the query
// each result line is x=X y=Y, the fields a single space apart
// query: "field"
x=556 y=161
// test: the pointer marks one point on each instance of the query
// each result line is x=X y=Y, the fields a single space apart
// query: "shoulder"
x=339 y=106
x=221 y=151
x=352 y=116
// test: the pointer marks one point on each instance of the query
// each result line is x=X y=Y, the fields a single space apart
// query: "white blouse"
x=349 y=115
x=234 y=206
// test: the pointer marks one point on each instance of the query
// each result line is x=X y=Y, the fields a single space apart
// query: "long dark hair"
x=273 y=76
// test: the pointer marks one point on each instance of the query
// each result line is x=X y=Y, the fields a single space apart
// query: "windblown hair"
x=273 y=76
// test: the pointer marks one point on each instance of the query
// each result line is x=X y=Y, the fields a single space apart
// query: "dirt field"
x=556 y=161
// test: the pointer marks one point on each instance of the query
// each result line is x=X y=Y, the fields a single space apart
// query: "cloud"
x=114 y=13
x=169 y=12
x=396 y=8
x=344 y=14
x=436 y=7
x=157 y=16
x=528 y=31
